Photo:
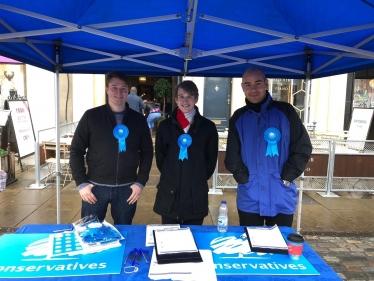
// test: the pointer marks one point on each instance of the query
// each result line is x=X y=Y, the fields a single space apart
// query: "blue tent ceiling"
x=195 y=38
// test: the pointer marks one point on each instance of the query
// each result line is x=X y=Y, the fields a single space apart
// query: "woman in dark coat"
x=186 y=155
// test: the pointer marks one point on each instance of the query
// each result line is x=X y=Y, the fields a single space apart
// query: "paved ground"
x=352 y=258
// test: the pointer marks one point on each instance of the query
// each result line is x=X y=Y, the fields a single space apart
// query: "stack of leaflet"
x=266 y=240
x=177 y=257
x=95 y=236
x=196 y=271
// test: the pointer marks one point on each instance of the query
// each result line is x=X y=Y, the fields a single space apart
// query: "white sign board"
x=23 y=129
x=360 y=125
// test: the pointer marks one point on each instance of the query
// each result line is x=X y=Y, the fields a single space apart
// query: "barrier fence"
x=334 y=166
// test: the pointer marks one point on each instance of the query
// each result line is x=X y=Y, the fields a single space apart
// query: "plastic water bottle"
x=223 y=219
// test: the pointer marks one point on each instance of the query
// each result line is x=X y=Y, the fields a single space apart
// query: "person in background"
x=267 y=148
x=119 y=153
x=153 y=111
x=186 y=155
x=135 y=102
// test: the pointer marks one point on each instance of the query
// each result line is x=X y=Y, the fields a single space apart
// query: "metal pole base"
x=35 y=186
x=331 y=194
x=215 y=191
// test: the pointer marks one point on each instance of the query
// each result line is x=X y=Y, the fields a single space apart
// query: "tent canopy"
x=194 y=38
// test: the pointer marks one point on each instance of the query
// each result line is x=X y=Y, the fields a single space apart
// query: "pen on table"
x=137 y=256
x=131 y=256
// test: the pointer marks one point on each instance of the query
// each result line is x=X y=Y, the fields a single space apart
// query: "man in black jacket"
x=119 y=152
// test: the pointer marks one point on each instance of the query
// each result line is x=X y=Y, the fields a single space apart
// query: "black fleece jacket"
x=106 y=165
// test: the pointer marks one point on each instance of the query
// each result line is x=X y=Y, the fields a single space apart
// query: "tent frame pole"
x=57 y=109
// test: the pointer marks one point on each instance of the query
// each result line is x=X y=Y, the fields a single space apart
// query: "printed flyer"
x=232 y=256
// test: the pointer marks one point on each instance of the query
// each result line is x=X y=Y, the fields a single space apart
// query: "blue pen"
x=131 y=256
x=137 y=257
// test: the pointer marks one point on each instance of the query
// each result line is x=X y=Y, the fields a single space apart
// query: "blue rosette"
x=272 y=136
x=121 y=132
x=184 y=141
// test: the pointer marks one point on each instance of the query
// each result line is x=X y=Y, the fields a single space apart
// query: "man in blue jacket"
x=267 y=148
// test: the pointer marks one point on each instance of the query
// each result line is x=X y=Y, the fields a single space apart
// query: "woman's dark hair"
x=189 y=86
x=119 y=75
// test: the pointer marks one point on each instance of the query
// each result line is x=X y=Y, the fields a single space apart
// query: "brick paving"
x=352 y=258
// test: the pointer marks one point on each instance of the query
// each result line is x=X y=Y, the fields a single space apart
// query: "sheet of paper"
x=149 y=241
x=266 y=237
x=175 y=241
x=200 y=271
x=4 y=117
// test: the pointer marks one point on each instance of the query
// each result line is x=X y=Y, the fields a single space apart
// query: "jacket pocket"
x=285 y=197
x=248 y=195
x=164 y=199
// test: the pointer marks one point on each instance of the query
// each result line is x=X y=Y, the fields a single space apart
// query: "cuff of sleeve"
x=82 y=185
x=139 y=184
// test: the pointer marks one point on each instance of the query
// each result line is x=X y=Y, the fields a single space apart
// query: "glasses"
x=117 y=89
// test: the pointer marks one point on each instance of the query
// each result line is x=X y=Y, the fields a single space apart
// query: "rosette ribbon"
x=184 y=141
x=272 y=136
x=121 y=132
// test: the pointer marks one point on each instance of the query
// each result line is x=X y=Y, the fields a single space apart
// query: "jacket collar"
x=265 y=105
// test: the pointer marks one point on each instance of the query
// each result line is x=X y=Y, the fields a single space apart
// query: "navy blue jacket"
x=260 y=186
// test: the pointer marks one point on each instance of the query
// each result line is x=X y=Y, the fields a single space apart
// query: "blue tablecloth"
x=136 y=239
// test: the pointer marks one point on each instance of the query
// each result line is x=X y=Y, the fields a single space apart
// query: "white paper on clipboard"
x=173 y=240
x=149 y=241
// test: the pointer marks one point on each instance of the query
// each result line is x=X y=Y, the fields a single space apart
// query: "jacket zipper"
x=117 y=167
x=258 y=120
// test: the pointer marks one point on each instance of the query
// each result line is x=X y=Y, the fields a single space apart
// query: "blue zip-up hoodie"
x=260 y=186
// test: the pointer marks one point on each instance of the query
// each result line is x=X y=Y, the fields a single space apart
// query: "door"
x=217 y=98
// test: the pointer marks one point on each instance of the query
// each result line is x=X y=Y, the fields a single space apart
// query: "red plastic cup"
x=295 y=243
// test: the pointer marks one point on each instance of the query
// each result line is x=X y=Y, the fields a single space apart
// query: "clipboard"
x=175 y=257
x=282 y=249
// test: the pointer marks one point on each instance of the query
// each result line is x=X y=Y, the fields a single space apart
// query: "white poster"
x=359 y=128
x=23 y=128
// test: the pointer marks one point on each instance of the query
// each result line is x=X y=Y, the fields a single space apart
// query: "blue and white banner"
x=54 y=255
x=232 y=256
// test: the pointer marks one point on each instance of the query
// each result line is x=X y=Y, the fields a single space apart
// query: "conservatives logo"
x=232 y=255
x=50 y=255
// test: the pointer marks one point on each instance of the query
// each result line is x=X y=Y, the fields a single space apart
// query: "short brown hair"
x=189 y=86
x=117 y=74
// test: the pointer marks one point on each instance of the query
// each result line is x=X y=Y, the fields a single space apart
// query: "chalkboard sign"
x=19 y=132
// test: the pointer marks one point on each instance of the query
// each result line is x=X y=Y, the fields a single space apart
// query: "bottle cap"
x=223 y=202
x=296 y=238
